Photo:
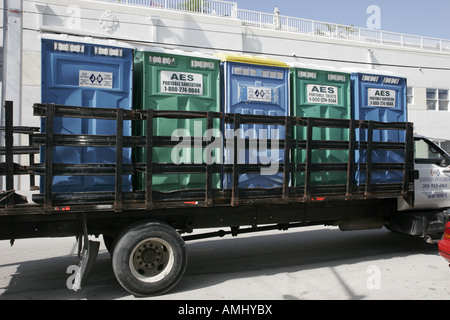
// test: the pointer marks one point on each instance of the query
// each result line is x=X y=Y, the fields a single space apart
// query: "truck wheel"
x=149 y=258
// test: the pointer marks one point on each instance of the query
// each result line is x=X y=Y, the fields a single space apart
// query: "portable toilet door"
x=321 y=94
x=87 y=75
x=257 y=86
x=177 y=81
x=380 y=98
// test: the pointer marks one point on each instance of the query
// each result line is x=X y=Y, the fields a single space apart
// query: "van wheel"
x=149 y=258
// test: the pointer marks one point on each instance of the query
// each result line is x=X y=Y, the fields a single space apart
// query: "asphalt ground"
x=310 y=263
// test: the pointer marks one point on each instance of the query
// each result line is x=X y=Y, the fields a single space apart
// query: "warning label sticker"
x=381 y=98
x=320 y=94
x=181 y=83
x=260 y=94
x=95 y=79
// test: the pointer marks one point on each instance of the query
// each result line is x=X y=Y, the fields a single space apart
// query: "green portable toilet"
x=320 y=93
x=176 y=80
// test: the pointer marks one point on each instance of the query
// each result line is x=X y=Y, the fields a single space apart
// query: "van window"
x=425 y=152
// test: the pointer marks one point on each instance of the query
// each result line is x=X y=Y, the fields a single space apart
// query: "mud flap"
x=87 y=253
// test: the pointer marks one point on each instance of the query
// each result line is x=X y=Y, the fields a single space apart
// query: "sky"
x=428 y=18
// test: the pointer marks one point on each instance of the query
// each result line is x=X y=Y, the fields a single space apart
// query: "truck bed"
x=179 y=206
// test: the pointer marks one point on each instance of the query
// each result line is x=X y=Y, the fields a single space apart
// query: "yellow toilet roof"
x=247 y=58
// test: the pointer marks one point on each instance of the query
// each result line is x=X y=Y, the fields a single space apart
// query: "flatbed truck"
x=146 y=230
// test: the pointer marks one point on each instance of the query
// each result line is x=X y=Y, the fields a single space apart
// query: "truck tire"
x=149 y=258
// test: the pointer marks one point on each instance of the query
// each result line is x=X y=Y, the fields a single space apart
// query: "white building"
x=218 y=26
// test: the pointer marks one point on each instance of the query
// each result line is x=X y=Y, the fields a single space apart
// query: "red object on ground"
x=444 y=244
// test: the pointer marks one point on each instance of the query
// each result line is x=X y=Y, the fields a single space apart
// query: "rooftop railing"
x=209 y=7
x=276 y=21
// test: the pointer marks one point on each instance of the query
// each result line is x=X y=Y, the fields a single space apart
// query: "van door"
x=432 y=175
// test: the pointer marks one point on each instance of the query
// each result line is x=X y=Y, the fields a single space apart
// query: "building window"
x=443 y=100
x=437 y=99
x=409 y=95
x=431 y=99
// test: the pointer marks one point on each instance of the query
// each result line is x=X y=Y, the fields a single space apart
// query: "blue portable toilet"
x=380 y=98
x=257 y=86
x=87 y=74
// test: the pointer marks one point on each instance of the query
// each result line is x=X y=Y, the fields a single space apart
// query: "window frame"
x=409 y=95
x=443 y=159
x=436 y=101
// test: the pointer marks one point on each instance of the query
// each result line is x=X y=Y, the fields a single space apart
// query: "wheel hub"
x=149 y=256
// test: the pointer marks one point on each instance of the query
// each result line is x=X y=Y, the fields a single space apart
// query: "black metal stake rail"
x=351 y=158
x=9 y=142
x=288 y=123
x=308 y=161
x=149 y=199
x=209 y=177
x=149 y=157
x=118 y=199
x=408 y=177
x=9 y=169
x=49 y=144
x=235 y=186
